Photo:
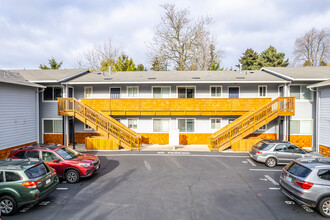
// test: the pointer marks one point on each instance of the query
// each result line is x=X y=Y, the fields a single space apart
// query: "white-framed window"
x=132 y=123
x=186 y=91
x=186 y=125
x=161 y=92
x=52 y=126
x=215 y=123
x=216 y=91
x=301 y=92
x=87 y=128
x=263 y=128
x=262 y=91
x=302 y=127
x=88 y=92
x=233 y=91
x=161 y=124
x=51 y=93
x=132 y=91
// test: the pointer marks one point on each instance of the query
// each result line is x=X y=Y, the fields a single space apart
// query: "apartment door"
x=233 y=92
x=114 y=93
x=281 y=91
x=71 y=130
x=281 y=129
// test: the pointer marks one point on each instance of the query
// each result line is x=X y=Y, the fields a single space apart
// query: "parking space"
x=172 y=185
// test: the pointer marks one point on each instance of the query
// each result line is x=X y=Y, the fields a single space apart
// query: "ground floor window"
x=186 y=125
x=161 y=125
x=215 y=123
x=52 y=126
x=132 y=123
x=303 y=127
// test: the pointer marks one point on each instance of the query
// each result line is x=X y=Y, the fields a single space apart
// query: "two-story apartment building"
x=199 y=105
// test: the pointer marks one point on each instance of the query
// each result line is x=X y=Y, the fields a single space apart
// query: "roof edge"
x=277 y=74
x=73 y=76
x=321 y=84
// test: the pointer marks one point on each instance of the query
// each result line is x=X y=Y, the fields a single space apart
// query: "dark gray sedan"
x=273 y=152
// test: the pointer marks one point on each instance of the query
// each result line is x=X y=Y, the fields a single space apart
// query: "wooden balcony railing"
x=106 y=125
x=207 y=106
x=249 y=122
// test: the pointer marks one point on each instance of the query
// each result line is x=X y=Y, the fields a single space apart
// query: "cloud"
x=38 y=30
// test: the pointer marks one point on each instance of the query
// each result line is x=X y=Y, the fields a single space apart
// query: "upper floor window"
x=52 y=93
x=216 y=91
x=88 y=92
x=161 y=92
x=262 y=91
x=301 y=92
x=186 y=92
x=132 y=91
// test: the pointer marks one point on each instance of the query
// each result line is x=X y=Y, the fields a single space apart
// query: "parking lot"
x=172 y=185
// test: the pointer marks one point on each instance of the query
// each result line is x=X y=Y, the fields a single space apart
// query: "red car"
x=67 y=162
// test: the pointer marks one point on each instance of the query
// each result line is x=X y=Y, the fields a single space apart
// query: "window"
x=12 y=176
x=263 y=128
x=294 y=149
x=161 y=92
x=301 y=92
x=88 y=92
x=301 y=127
x=233 y=92
x=324 y=174
x=186 y=125
x=36 y=171
x=52 y=93
x=48 y=156
x=86 y=127
x=1 y=176
x=132 y=123
x=298 y=170
x=52 y=126
x=32 y=154
x=215 y=123
x=216 y=91
x=262 y=91
x=132 y=91
x=161 y=125
x=20 y=155
x=186 y=92
x=281 y=148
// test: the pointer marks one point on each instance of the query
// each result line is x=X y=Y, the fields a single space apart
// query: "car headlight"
x=84 y=164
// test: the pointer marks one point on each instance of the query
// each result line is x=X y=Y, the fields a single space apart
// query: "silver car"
x=307 y=181
x=273 y=152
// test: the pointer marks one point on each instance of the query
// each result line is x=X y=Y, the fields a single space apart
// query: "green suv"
x=24 y=182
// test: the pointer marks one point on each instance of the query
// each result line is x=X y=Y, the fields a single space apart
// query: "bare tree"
x=103 y=52
x=182 y=42
x=313 y=48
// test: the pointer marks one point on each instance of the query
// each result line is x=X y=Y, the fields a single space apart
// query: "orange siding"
x=5 y=152
x=301 y=140
x=80 y=137
x=100 y=143
x=194 y=138
x=155 y=138
x=53 y=138
x=324 y=150
x=245 y=144
x=272 y=136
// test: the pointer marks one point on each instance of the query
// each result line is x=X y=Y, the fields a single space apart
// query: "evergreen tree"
x=271 y=58
x=140 y=67
x=249 y=60
x=53 y=64
x=157 y=64
x=214 y=64
x=124 y=63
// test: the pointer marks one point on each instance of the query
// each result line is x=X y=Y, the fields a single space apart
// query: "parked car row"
x=30 y=173
x=306 y=177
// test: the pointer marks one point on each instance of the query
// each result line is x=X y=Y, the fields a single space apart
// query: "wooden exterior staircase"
x=250 y=122
x=105 y=125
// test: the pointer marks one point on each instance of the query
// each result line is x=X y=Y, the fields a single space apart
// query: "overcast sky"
x=32 y=31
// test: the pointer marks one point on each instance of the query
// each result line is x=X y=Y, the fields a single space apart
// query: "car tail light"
x=54 y=171
x=259 y=152
x=304 y=184
x=31 y=184
x=282 y=173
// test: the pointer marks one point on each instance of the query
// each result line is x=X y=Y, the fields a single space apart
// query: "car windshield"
x=67 y=153
x=36 y=171
x=298 y=170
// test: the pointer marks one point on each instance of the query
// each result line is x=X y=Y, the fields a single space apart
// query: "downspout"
x=317 y=118
x=38 y=114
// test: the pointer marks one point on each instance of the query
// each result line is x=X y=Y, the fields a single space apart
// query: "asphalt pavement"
x=172 y=185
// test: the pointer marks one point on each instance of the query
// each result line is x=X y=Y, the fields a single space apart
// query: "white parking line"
x=271 y=180
x=61 y=188
x=251 y=162
x=265 y=170
x=273 y=188
x=170 y=155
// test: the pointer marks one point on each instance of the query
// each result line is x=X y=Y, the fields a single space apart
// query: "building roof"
x=16 y=78
x=50 y=76
x=148 y=77
x=307 y=73
x=321 y=84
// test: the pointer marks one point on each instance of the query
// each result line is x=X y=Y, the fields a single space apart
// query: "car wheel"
x=72 y=176
x=8 y=205
x=271 y=162
x=323 y=207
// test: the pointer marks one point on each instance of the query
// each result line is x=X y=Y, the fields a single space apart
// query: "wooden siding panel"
x=301 y=140
x=194 y=138
x=324 y=150
x=155 y=138
x=100 y=143
x=245 y=144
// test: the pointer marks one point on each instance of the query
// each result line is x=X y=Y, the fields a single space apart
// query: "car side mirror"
x=56 y=161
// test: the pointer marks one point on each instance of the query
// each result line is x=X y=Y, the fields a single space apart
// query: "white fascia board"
x=277 y=74
x=73 y=76
x=174 y=82
x=314 y=79
x=327 y=83
x=25 y=84
x=43 y=81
